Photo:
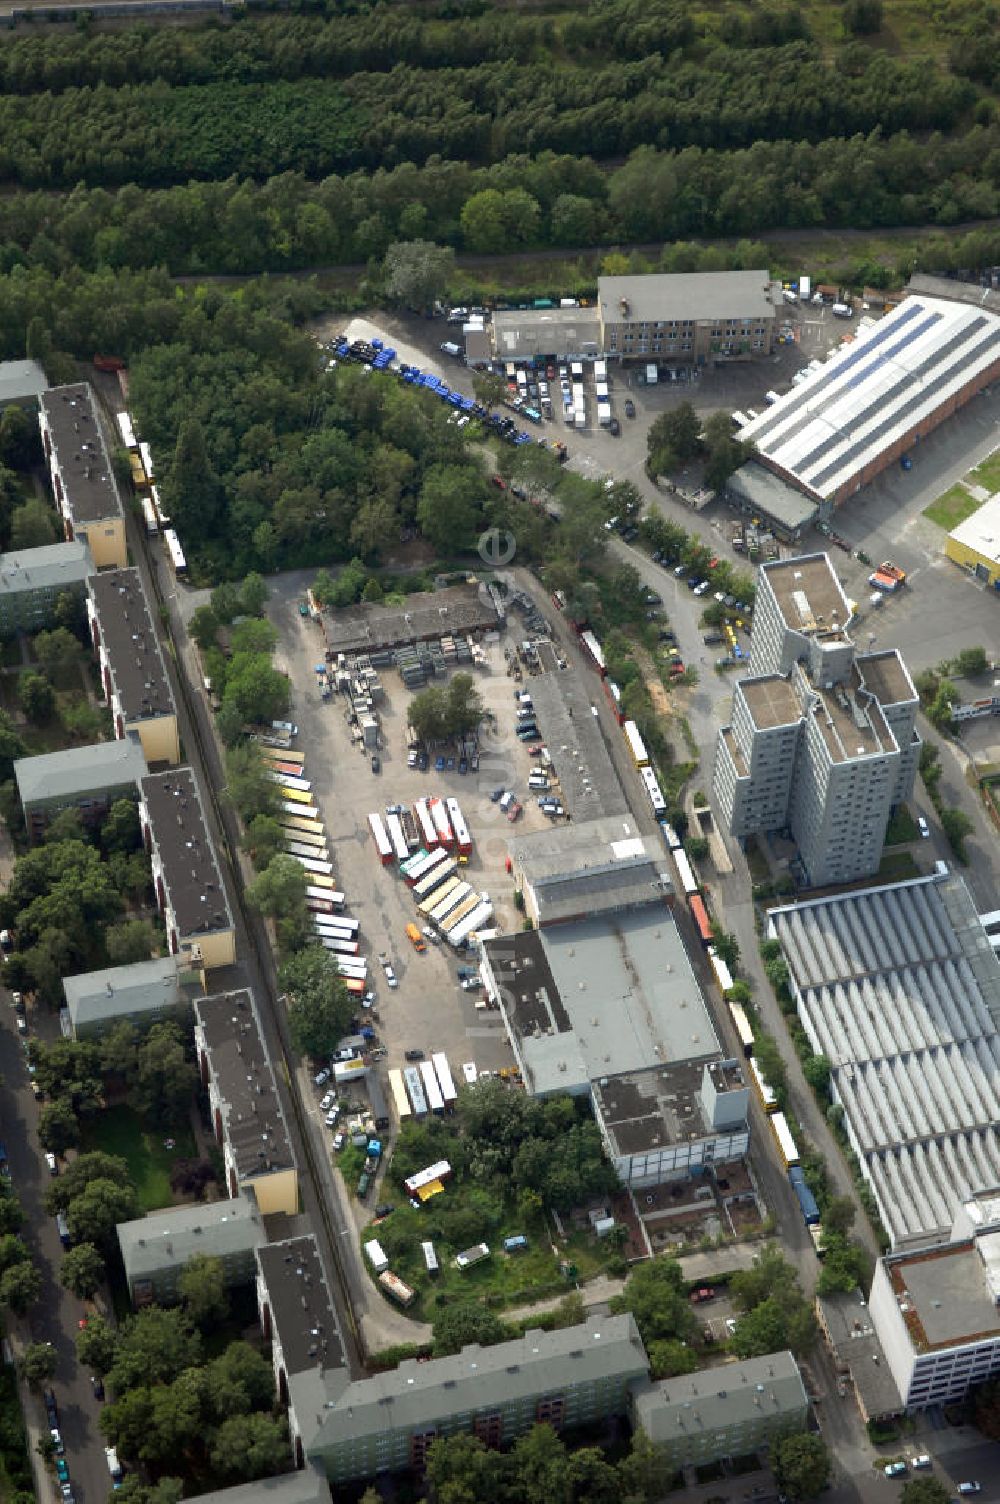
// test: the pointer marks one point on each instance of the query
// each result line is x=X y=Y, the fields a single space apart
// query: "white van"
x=842 y=311
x=114 y=1466
x=450 y=348
x=537 y=781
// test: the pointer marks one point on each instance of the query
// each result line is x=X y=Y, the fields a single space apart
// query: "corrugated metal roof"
x=899 y=988
x=875 y=391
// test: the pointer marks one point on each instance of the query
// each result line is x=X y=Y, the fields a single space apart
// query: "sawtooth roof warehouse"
x=872 y=401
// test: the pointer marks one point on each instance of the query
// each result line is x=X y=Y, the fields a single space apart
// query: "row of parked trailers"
x=304 y=838
x=443 y=896
x=438 y=824
x=425 y=1088
x=143 y=474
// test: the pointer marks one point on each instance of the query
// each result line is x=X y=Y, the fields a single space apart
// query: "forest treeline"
x=157 y=133
x=289 y=223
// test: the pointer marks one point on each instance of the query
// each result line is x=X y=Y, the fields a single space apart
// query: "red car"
x=499 y=482
x=513 y=811
x=698 y=1297
x=676 y=667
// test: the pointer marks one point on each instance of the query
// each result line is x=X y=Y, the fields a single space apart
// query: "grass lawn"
x=897 y=867
x=953 y=506
x=121 y=1131
x=987 y=474
x=902 y=828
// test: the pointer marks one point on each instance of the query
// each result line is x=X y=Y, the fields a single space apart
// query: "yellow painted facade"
x=975 y=543
x=277 y=1191
x=106 y=541
x=976 y=563
x=160 y=738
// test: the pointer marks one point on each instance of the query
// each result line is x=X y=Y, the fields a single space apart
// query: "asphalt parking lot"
x=428 y=1010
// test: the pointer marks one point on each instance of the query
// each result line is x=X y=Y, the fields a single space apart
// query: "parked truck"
x=887 y=577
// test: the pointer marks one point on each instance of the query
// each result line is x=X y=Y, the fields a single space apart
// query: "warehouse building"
x=133 y=671
x=609 y=1008
x=898 y=988
x=722 y=1413
x=689 y=318
x=156 y=1249
x=975 y=543
x=591 y=788
x=571 y=1379
x=875 y=398
x=83 y=481
x=534 y=335
x=33 y=580
x=823 y=739
x=87 y=779
x=568 y=873
x=142 y=993
x=244 y=1103
x=189 y=889
x=758 y=492
x=372 y=629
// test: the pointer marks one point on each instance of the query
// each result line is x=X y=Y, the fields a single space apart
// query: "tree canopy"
x=319 y=1006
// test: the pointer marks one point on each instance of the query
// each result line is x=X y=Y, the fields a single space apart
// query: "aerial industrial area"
x=696 y=1024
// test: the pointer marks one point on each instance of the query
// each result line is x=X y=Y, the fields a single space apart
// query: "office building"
x=88 y=779
x=142 y=993
x=689 y=318
x=83 y=481
x=133 y=670
x=573 y=1379
x=823 y=739
x=898 y=987
x=156 y=1249
x=190 y=892
x=32 y=580
x=245 y=1108
x=858 y=412
x=719 y=1414
x=975 y=543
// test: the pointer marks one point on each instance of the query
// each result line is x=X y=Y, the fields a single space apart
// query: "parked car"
x=339 y=1140
x=328 y=1101
x=923 y=827
x=376 y=763
x=98 y=1385
x=51 y=1408
x=414 y=1055
x=629 y=408
x=385 y=1209
x=51 y=1164
x=699 y=1297
x=391 y=977
x=62 y=1471
x=895 y=1469
x=321 y=1077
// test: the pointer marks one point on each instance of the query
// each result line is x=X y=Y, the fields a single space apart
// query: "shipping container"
x=636 y=745
x=684 y=872
x=783 y=1138
x=442 y=824
x=324 y=881
x=272 y=755
x=304 y=826
x=438 y=895
x=394 y=830
x=414 y=862
x=392 y=1285
x=428 y=830
x=765 y=1094
x=463 y=840
x=699 y=914
x=300 y=804
x=426 y=864
x=300 y=848
x=138 y=474
x=400 y=1100
x=415 y=1089
x=383 y=845
x=338 y=945
x=445 y=1081
x=289 y=781
x=432 y=1089
x=316 y=869
x=339 y=925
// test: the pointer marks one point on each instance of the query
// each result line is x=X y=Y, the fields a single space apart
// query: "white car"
x=52 y=1166
x=321 y=1077
x=339 y=1140
x=470 y=984
x=920 y=1462
x=328 y=1101
x=923 y=828
x=288 y=727
x=430 y=935
x=332 y=1116
x=391 y=976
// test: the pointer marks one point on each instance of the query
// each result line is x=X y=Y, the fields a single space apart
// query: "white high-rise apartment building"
x=823 y=739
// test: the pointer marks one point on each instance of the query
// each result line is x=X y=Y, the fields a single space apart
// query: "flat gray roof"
x=887 y=676
x=771 y=701
x=253 y=1120
x=645 y=1110
x=415 y=1395
x=688 y=296
x=758 y=488
x=590 y=784
x=302 y=1309
x=852 y=1332
x=439 y=613
x=91 y=493
x=21 y=380
x=946 y=1293
x=808 y=594
x=131 y=646
x=602 y=997
x=714 y=1399
x=118 y=991
x=899 y=988
x=50 y=567
x=77 y=771
x=191 y=875
x=521 y=334
x=167 y=1239
x=306 y=1485
x=875 y=393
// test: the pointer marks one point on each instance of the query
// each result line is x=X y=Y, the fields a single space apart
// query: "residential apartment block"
x=689 y=318
x=189 y=887
x=298 y=1318
x=243 y=1099
x=156 y=1249
x=572 y=1379
x=823 y=739
x=133 y=669
x=721 y=1413
x=33 y=579
x=83 y=482
x=88 y=779
x=143 y=993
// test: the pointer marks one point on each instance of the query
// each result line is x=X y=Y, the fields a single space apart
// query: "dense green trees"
x=319 y=1006
x=802 y=1465
x=775 y=1312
